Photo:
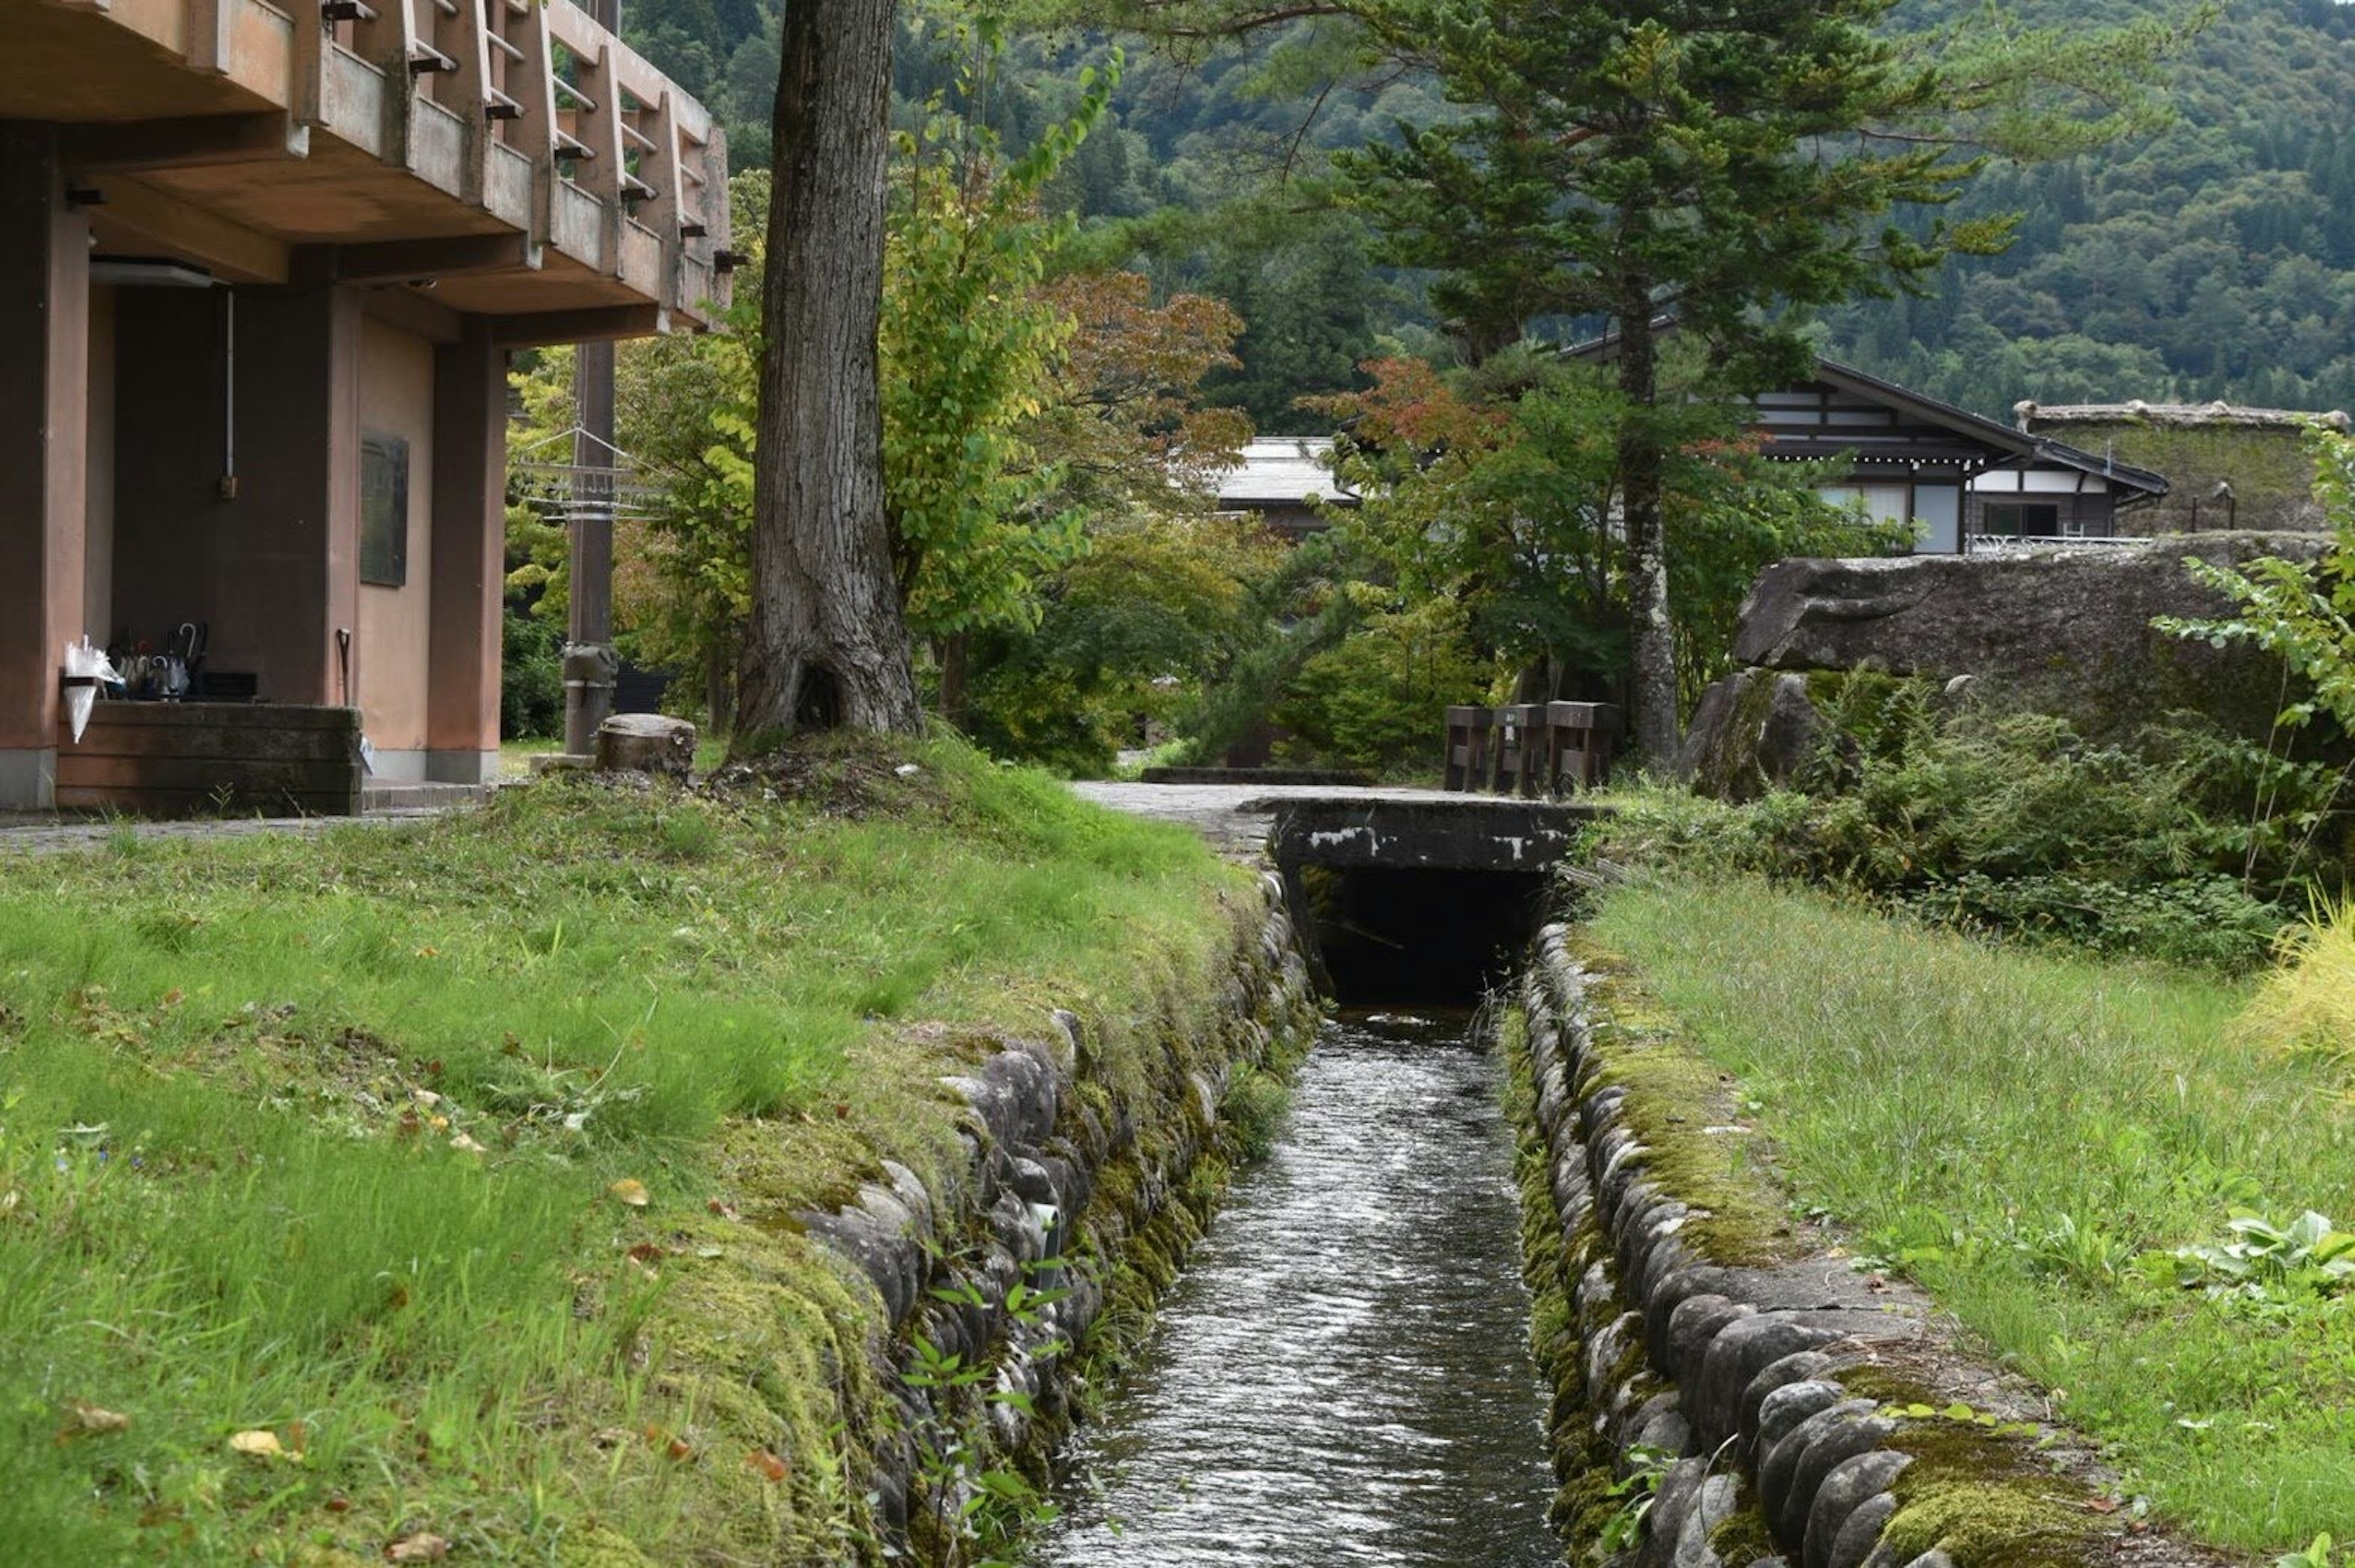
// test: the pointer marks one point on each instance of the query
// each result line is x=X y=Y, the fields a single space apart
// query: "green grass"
x=321 y=1135
x=516 y=754
x=2029 y=1135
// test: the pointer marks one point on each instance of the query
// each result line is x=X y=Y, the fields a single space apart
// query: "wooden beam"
x=400 y=260
x=231 y=250
x=198 y=141
x=535 y=328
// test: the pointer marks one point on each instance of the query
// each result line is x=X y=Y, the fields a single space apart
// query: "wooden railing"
x=1531 y=748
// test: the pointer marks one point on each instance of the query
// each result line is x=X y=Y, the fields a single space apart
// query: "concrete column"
x=44 y=438
x=469 y=558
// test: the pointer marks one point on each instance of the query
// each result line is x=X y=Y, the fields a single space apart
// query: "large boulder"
x=2064 y=630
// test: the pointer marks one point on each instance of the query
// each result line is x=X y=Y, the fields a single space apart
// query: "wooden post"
x=1584 y=736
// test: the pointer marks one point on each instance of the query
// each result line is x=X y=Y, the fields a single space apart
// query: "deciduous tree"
x=826 y=645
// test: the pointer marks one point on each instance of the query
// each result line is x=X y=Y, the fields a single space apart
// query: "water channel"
x=1341 y=1376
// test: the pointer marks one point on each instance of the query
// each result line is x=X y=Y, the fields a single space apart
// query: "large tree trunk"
x=827 y=647
x=1654 y=678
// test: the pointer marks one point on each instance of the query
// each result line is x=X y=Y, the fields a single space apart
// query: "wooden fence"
x=1531 y=748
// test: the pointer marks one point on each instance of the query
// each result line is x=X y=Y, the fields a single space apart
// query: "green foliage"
x=2207 y=257
x=967 y=342
x=1131 y=633
x=2010 y=822
x=1377 y=699
x=2266 y=1265
x=2292 y=610
x=531 y=675
x=1496 y=490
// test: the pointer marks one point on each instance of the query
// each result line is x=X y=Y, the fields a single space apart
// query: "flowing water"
x=1341 y=1376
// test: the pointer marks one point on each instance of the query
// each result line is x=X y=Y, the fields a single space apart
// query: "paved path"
x=37 y=833
x=1235 y=818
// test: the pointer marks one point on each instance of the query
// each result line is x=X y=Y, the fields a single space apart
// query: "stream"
x=1342 y=1375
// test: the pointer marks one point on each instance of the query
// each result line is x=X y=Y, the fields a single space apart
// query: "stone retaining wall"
x=1058 y=1164
x=1790 y=1390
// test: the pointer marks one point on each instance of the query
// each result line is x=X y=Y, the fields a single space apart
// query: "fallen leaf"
x=608 y=1437
x=425 y=1097
x=724 y=1209
x=768 y=1464
x=261 y=1442
x=422 y=1547
x=175 y=997
x=93 y=1418
x=461 y=1142
x=630 y=1191
x=680 y=1448
x=647 y=1253
x=2102 y=1505
x=338 y=1503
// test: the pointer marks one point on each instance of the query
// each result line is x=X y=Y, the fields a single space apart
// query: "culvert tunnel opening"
x=1418 y=936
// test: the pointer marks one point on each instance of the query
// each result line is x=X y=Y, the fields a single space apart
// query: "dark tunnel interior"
x=1393 y=937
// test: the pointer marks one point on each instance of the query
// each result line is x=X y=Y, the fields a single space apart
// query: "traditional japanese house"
x=261 y=263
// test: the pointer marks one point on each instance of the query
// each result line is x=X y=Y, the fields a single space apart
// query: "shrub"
x=2012 y=823
x=2308 y=1004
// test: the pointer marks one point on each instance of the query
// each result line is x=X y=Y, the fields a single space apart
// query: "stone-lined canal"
x=1341 y=1376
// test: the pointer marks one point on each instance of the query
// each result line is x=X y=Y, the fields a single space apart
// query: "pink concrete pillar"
x=44 y=440
x=469 y=570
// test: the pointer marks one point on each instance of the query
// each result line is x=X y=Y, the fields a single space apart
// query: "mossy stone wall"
x=1083 y=1186
x=1704 y=1350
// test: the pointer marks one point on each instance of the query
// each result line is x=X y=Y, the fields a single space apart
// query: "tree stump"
x=647 y=743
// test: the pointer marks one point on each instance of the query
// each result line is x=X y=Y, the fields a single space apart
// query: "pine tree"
x=1627 y=161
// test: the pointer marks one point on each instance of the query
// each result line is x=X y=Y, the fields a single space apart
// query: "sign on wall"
x=384 y=510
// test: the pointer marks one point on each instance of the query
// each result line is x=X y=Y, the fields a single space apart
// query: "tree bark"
x=827 y=647
x=1653 y=680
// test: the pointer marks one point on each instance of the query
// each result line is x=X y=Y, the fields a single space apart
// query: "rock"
x=2066 y=630
x=1860 y=1538
x=1719 y=1495
x=1754 y=729
x=1696 y=1321
x=1791 y=1369
x=1672 y=1502
x=1845 y=1487
x=1838 y=1443
x=647 y=743
x=1782 y=1411
x=1741 y=1351
x=1778 y=1466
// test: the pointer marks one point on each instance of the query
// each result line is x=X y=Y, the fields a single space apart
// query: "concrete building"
x=261 y=268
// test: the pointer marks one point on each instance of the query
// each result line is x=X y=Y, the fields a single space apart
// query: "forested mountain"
x=2214 y=260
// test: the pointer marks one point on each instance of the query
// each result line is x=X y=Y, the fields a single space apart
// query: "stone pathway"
x=1235 y=817
x=39 y=833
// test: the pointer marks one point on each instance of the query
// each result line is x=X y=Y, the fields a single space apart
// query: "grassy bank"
x=2033 y=1137
x=395 y=1188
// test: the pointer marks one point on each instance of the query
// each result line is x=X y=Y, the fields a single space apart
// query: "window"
x=2017 y=519
x=384 y=510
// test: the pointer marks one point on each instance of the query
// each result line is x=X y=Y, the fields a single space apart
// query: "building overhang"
x=510 y=155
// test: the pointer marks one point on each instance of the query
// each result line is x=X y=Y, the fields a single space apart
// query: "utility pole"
x=591 y=663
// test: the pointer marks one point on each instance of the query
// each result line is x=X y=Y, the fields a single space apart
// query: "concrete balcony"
x=503 y=158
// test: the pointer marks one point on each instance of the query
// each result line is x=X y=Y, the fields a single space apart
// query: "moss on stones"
x=1672 y=1096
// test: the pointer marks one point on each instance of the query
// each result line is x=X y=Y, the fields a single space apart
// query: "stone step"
x=415 y=796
